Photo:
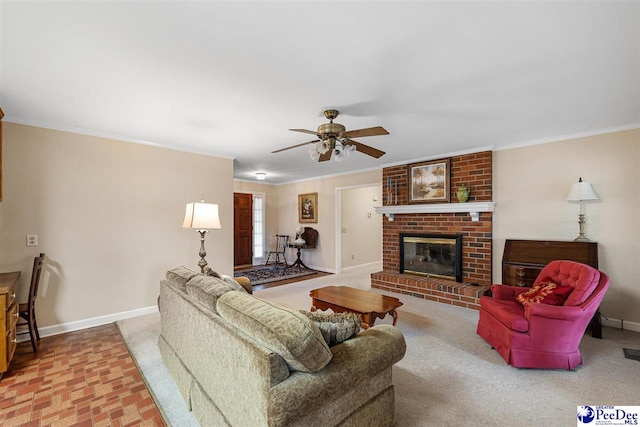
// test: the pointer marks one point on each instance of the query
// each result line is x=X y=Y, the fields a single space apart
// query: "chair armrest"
x=506 y=292
x=561 y=312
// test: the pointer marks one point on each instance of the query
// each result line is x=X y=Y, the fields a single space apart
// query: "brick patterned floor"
x=82 y=378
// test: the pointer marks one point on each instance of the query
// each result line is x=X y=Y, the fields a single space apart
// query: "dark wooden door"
x=242 y=229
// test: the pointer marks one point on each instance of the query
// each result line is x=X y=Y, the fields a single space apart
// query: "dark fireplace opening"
x=432 y=255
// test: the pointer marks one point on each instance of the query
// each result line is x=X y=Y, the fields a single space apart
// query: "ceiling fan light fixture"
x=339 y=152
x=335 y=141
x=314 y=154
x=349 y=147
x=323 y=146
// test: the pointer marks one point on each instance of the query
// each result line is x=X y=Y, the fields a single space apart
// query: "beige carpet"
x=449 y=376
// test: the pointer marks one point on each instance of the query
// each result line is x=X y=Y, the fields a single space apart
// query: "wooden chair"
x=27 y=311
x=282 y=241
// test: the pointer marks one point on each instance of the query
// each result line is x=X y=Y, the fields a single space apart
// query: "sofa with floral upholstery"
x=240 y=360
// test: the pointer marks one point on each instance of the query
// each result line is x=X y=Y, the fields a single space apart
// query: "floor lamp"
x=579 y=192
x=202 y=217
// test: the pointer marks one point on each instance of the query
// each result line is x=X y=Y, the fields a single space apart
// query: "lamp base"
x=202 y=263
x=581 y=237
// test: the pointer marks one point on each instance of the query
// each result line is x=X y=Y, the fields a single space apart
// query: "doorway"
x=249 y=229
x=242 y=229
x=358 y=227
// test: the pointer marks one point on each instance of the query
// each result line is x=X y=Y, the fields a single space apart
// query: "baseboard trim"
x=62 y=328
x=353 y=267
x=621 y=324
x=323 y=269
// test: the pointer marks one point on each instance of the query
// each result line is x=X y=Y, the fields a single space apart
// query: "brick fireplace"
x=471 y=220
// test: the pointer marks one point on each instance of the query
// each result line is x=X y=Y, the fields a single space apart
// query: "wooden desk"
x=369 y=305
x=8 y=318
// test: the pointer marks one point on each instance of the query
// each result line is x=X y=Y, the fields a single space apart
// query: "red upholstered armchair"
x=539 y=334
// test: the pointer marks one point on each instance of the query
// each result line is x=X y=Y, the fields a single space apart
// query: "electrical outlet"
x=32 y=240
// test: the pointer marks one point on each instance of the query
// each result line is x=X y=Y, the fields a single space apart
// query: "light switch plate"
x=32 y=240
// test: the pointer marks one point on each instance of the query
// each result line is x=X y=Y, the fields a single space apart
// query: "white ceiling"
x=230 y=78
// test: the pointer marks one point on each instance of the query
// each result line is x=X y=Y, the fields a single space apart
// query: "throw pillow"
x=558 y=295
x=209 y=272
x=545 y=293
x=335 y=327
x=245 y=282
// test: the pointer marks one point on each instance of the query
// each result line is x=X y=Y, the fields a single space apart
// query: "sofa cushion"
x=286 y=332
x=207 y=289
x=335 y=327
x=179 y=276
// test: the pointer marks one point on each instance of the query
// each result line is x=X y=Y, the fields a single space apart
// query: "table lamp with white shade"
x=579 y=192
x=202 y=217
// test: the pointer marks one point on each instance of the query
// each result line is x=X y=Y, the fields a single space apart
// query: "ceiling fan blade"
x=294 y=146
x=359 y=133
x=305 y=131
x=326 y=156
x=365 y=149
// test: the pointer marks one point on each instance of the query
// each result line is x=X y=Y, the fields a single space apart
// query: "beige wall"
x=281 y=207
x=360 y=226
x=323 y=258
x=108 y=215
x=530 y=190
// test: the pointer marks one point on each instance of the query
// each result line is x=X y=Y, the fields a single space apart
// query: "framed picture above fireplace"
x=429 y=182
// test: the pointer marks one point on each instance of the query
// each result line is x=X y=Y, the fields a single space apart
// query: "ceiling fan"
x=334 y=139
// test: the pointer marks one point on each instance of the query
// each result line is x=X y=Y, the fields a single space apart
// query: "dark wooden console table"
x=523 y=260
x=8 y=318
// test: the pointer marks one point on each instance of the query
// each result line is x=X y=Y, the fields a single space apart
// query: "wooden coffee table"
x=369 y=305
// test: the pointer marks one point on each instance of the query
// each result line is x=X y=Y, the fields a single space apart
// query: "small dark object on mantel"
x=474 y=283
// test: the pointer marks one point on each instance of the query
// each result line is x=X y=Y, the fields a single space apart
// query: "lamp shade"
x=201 y=216
x=581 y=191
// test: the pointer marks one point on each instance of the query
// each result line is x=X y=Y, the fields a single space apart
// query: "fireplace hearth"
x=431 y=255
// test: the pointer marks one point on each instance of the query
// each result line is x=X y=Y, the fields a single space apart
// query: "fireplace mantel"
x=474 y=209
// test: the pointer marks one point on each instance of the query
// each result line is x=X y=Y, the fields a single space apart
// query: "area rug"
x=261 y=274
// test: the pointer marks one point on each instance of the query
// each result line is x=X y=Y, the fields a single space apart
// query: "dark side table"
x=298 y=262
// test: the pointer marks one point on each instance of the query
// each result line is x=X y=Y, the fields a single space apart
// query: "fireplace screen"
x=431 y=255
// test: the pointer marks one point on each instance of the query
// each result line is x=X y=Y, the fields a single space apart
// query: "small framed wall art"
x=308 y=207
x=429 y=182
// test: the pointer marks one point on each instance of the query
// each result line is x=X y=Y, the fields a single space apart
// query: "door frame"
x=338 y=220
